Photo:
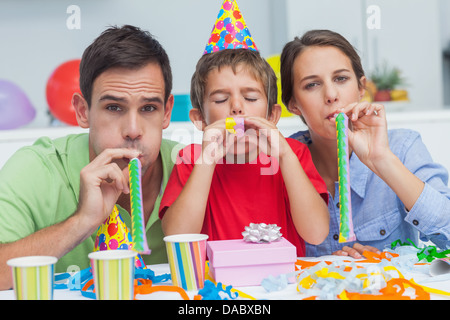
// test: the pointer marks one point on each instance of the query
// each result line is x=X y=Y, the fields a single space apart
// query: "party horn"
x=137 y=209
x=235 y=126
x=346 y=233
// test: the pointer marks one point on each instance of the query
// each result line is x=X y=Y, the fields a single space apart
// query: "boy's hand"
x=217 y=141
x=269 y=139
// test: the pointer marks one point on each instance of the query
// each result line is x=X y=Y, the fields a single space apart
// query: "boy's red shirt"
x=241 y=194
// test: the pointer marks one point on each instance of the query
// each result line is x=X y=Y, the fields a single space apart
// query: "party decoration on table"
x=262 y=233
x=211 y=291
x=16 y=109
x=137 y=209
x=346 y=233
x=235 y=126
x=278 y=283
x=338 y=280
x=83 y=281
x=439 y=259
x=149 y=289
x=61 y=85
x=113 y=234
x=229 y=31
x=426 y=252
x=380 y=279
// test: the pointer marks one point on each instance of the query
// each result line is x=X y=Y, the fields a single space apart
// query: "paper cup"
x=113 y=272
x=33 y=277
x=187 y=257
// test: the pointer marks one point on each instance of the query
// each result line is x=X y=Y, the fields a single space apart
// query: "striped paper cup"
x=33 y=277
x=113 y=272
x=187 y=257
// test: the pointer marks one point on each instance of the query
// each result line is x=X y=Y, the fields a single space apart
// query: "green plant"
x=386 y=77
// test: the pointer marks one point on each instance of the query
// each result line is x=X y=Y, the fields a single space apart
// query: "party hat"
x=230 y=30
x=113 y=234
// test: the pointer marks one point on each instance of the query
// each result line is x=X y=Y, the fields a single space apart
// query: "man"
x=55 y=194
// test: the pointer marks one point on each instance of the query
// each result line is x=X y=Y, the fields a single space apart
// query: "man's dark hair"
x=126 y=47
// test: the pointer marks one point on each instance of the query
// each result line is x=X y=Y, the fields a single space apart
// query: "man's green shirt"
x=39 y=187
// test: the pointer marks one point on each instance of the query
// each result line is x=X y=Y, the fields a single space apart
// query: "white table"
x=257 y=292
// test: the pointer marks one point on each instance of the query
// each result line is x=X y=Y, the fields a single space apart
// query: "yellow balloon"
x=274 y=62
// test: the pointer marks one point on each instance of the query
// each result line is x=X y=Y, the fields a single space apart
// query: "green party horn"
x=137 y=209
x=346 y=233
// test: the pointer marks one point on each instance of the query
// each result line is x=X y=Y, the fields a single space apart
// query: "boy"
x=211 y=191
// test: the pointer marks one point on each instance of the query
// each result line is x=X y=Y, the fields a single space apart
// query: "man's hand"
x=101 y=183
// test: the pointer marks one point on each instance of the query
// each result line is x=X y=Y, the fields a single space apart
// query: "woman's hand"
x=356 y=251
x=367 y=134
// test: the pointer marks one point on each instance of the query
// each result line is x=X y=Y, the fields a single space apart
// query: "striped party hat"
x=230 y=30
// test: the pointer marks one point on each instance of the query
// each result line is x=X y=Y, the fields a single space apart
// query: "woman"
x=397 y=191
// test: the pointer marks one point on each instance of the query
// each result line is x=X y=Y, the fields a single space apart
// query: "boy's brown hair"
x=251 y=60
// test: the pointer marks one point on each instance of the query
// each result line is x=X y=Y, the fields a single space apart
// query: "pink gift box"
x=240 y=263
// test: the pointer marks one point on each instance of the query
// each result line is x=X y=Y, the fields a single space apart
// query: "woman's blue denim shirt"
x=379 y=217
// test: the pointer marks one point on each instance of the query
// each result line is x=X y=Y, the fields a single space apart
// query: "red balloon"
x=112 y=229
x=61 y=86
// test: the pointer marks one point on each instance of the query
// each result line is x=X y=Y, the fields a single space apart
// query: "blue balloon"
x=221 y=42
x=221 y=12
x=16 y=109
x=248 y=41
x=209 y=48
x=224 y=33
x=239 y=36
x=101 y=238
x=226 y=21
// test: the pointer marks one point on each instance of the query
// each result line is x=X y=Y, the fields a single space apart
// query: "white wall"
x=434 y=127
x=408 y=37
x=445 y=45
x=35 y=38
